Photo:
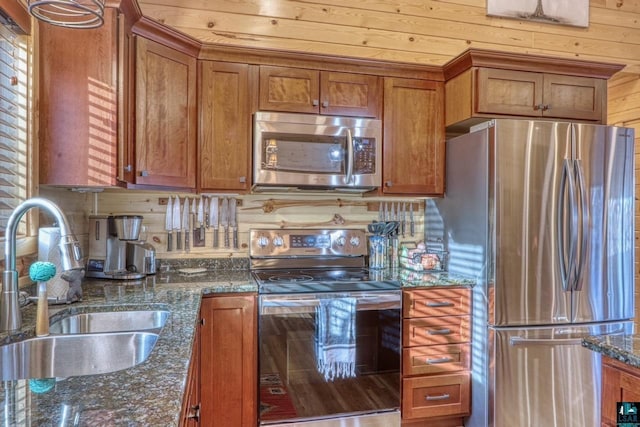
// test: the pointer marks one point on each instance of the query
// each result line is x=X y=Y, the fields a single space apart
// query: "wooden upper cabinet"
x=225 y=127
x=485 y=84
x=414 y=141
x=521 y=93
x=319 y=92
x=78 y=86
x=166 y=117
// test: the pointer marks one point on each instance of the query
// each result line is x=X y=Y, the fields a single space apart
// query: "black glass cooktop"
x=320 y=280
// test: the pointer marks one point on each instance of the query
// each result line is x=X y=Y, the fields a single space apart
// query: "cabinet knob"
x=325 y=104
x=144 y=173
x=242 y=179
x=315 y=102
x=538 y=107
x=194 y=413
x=547 y=107
x=388 y=183
x=128 y=168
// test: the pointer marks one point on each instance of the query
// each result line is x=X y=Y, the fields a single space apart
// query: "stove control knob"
x=263 y=241
x=341 y=241
x=278 y=241
x=354 y=241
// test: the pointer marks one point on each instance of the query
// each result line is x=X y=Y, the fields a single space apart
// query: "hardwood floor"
x=287 y=347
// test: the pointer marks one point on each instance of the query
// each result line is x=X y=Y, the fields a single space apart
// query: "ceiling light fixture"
x=69 y=13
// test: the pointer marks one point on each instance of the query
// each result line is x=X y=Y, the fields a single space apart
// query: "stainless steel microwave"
x=314 y=152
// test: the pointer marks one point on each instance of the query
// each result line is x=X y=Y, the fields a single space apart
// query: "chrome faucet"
x=70 y=257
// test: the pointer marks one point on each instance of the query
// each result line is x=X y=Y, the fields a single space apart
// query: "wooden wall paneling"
x=426 y=32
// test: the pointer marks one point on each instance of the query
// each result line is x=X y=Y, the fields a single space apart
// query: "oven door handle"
x=386 y=300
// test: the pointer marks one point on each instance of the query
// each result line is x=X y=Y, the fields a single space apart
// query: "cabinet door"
x=414 y=141
x=191 y=404
x=513 y=93
x=225 y=127
x=346 y=94
x=571 y=97
x=229 y=362
x=620 y=383
x=165 y=116
x=78 y=104
x=289 y=89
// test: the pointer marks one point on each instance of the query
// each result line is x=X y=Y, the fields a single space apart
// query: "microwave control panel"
x=364 y=156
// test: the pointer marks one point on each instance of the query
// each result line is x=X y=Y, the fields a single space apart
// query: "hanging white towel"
x=336 y=338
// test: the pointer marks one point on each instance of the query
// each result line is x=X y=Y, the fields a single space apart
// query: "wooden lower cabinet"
x=436 y=395
x=229 y=364
x=436 y=379
x=191 y=406
x=620 y=383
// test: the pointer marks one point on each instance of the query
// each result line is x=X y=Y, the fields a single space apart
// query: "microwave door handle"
x=349 y=157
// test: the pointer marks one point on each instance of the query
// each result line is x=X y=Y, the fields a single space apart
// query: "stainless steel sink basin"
x=73 y=355
x=110 y=321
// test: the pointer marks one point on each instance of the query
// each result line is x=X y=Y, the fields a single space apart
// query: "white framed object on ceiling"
x=563 y=12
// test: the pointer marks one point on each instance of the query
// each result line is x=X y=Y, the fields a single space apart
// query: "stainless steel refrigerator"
x=541 y=213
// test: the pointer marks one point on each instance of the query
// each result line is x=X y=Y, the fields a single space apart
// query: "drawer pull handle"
x=439 y=304
x=444 y=396
x=440 y=360
x=445 y=331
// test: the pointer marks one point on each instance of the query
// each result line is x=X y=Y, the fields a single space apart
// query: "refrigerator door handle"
x=583 y=226
x=567 y=266
x=519 y=341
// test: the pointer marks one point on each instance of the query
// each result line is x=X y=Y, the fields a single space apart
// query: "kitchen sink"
x=73 y=355
x=110 y=321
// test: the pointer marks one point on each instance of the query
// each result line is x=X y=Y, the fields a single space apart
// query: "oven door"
x=329 y=355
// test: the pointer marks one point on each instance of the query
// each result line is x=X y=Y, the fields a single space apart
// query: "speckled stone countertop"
x=417 y=279
x=151 y=393
x=625 y=348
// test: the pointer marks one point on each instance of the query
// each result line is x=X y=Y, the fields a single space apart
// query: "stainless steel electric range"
x=329 y=329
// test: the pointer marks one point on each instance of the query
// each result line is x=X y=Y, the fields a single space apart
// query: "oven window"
x=304 y=153
x=326 y=355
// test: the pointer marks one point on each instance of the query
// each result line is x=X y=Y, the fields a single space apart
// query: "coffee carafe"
x=115 y=251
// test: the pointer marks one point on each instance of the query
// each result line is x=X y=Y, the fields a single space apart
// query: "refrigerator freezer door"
x=604 y=290
x=544 y=377
x=526 y=161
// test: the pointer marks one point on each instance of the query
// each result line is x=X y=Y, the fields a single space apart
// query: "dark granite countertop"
x=150 y=393
x=625 y=348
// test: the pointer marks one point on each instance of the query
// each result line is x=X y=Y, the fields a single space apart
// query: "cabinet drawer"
x=435 y=330
x=436 y=359
x=436 y=302
x=435 y=396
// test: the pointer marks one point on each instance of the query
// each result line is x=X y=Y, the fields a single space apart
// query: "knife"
x=232 y=221
x=403 y=218
x=224 y=220
x=411 y=226
x=213 y=208
x=177 y=224
x=206 y=214
x=168 y=224
x=201 y=217
x=185 y=223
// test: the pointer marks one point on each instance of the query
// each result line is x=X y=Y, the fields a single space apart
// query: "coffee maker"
x=115 y=251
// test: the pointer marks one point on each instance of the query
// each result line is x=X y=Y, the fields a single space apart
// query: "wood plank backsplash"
x=283 y=211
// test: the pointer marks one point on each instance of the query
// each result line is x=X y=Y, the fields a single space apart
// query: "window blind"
x=13 y=122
